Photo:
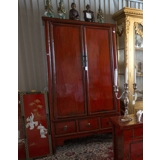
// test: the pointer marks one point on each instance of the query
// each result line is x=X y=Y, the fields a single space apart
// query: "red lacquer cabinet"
x=81 y=59
x=127 y=138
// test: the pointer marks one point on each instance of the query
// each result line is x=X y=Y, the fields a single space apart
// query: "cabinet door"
x=98 y=44
x=68 y=82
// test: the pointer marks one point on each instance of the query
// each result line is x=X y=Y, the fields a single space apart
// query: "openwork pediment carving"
x=139 y=28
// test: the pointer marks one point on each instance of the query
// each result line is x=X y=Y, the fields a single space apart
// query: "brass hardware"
x=65 y=128
x=85 y=62
x=88 y=125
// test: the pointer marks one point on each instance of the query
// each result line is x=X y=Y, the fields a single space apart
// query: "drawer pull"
x=65 y=128
x=88 y=125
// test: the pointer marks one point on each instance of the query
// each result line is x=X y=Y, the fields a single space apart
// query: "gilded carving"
x=135 y=13
x=120 y=29
x=138 y=30
x=127 y=24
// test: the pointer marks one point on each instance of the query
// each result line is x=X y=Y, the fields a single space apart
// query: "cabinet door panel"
x=136 y=150
x=100 y=87
x=69 y=91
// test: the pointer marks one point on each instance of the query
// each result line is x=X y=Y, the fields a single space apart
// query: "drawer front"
x=133 y=134
x=88 y=124
x=105 y=122
x=65 y=127
x=138 y=132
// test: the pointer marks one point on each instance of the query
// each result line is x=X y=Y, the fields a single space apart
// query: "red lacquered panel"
x=88 y=124
x=65 y=127
x=100 y=88
x=128 y=138
x=136 y=150
x=69 y=96
x=128 y=135
x=36 y=125
x=138 y=132
x=105 y=122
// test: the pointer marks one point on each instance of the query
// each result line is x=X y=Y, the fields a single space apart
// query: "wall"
x=32 y=67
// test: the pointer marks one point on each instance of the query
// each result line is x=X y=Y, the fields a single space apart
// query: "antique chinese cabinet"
x=81 y=59
x=129 y=33
x=127 y=138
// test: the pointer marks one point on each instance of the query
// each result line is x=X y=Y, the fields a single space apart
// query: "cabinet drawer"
x=65 y=127
x=88 y=124
x=138 y=132
x=105 y=122
x=133 y=133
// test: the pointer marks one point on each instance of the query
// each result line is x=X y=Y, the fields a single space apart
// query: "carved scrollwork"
x=120 y=29
x=138 y=30
x=127 y=24
x=134 y=13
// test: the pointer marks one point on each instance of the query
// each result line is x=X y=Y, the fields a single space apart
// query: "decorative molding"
x=132 y=11
x=135 y=13
x=127 y=12
x=137 y=29
x=127 y=24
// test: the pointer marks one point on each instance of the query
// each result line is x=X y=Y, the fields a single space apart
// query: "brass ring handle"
x=65 y=128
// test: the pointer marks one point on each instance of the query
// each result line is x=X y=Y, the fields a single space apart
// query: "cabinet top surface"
x=126 y=11
x=116 y=120
x=78 y=22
